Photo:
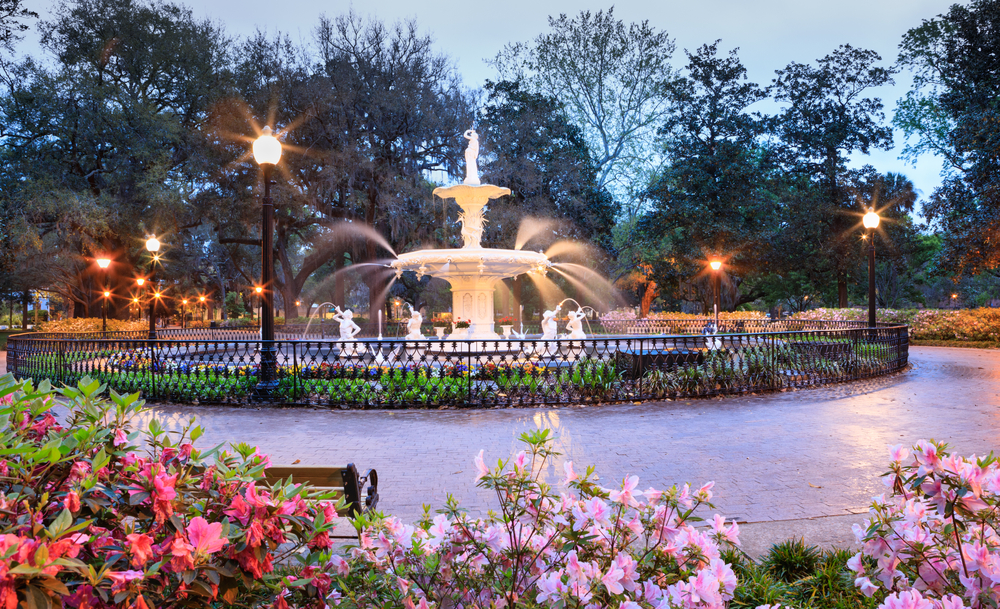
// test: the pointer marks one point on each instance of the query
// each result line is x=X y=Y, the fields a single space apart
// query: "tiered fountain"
x=473 y=271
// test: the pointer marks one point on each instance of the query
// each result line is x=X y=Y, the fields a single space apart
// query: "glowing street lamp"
x=267 y=153
x=201 y=299
x=716 y=288
x=104 y=263
x=871 y=221
x=152 y=246
x=184 y=304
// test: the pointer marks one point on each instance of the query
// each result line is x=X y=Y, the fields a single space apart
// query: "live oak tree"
x=366 y=113
x=103 y=145
x=828 y=115
x=611 y=77
x=951 y=111
x=713 y=198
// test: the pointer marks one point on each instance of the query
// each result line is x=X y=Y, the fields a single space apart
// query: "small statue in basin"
x=348 y=329
x=413 y=325
x=574 y=328
x=549 y=325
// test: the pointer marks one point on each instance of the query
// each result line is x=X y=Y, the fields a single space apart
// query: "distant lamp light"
x=201 y=298
x=954 y=296
x=140 y=282
x=258 y=289
x=298 y=303
x=107 y=294
x=184 y=301
x=871 y=219
x=715 y=264
x=157 y=294
x=135 y=300
x=267 y=148
x=153 y=244
x=104 y=262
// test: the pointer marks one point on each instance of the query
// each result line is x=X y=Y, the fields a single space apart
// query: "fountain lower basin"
x=473 y=274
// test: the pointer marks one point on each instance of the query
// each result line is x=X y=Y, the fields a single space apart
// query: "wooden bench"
x=345 y=481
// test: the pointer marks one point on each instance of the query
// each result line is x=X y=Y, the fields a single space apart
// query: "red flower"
x=141 y=546
x=72 y=501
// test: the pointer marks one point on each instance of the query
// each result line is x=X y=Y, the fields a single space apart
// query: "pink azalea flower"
x=911 y=599
x=612 y=579
x=72 y=501
x=206 y=538
x=626 y=495
x=120 y=579
x=342 y=566
x=898 y=453
x=570 y=474
x=481 y=469
x=519 y=461
x=121 y=438
x=866 y=586
x=239 y=509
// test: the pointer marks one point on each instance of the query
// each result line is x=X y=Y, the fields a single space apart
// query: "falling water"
x=531 y=228
x=590 y=280
x=572 y=248
x=348 y=230
x=547 y=288
x=313 y=316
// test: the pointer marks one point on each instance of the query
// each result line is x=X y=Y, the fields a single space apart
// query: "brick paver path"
x=798 y=454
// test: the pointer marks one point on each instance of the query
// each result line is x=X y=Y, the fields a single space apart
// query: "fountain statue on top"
x=472 y=270
x=472 y=158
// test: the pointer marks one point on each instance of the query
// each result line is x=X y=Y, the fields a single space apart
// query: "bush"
x=91 y=324
x=925 y=324
x=87 y=520
x=932 y=541
x=593 y=547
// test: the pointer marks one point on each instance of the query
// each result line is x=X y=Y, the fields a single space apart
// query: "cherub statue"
x=413 y=325
x=574 y=329
x=472 y=158
x=348 y=329
x=549 y=325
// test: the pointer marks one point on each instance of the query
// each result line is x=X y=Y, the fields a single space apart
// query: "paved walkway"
x=776 y=457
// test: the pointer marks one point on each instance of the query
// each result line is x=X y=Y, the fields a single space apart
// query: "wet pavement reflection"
x=797 y=454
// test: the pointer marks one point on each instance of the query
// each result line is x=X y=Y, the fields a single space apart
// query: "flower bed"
x=87 y=520
x=925 y=324
x=91 y=324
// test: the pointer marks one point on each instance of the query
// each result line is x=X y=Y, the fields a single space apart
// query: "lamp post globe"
x=267 y=153
x=871 y=222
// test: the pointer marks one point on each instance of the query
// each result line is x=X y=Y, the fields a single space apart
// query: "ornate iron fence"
x=395 y=373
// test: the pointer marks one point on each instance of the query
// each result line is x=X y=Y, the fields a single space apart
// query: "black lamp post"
x=152 y=246
x=716 y=288
x=104 y=263
x=267 y=153
x=871 y=221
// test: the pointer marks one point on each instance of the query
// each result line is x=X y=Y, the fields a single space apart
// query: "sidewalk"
x=798 y=463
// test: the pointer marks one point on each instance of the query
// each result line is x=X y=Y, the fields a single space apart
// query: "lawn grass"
x=967 y=344
x=5 y=333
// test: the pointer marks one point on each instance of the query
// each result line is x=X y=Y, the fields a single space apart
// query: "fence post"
x=152 y=368
x=62 y=361
x=295 y=370
x=468 y=364
x=640 y=369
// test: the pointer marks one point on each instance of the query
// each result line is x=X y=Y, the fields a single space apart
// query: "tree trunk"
x=842 y=292
x=25 y=297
